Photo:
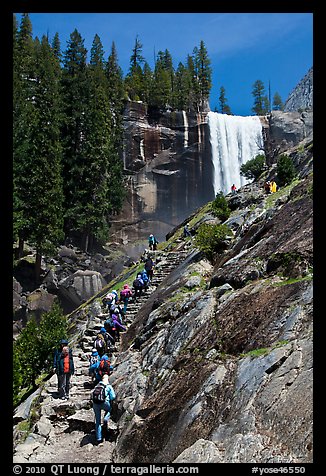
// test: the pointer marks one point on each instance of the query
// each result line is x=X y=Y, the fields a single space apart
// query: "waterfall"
x=234 y=141
x=141 y=149
x=186 y=133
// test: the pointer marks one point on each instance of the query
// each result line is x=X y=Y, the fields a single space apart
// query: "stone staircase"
x=61 y=418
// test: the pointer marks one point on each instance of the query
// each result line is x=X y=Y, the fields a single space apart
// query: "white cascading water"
x=234 y=141
x=186 y=134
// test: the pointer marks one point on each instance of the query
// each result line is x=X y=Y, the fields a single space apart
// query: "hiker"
x=273 y=186
x=63 y=366
x=101 y=397
x=104 y=367
x=117 y=326
x=145 y=278
x=138 y=286
x=94 y=360
x=100 y=344
x=125 y=295
x=152 y=242
x=186 y=231
x=233 y=189
x=108 y=300
x=119 y=312
x=267 y=187
x=149 y=265
x=110 y=329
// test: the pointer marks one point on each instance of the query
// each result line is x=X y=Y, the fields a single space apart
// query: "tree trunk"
x=20 y=247
x=85 y=241
x=38 y=260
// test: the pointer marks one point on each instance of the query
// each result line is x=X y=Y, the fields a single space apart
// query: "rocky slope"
x=216 y=365
x=301 y=98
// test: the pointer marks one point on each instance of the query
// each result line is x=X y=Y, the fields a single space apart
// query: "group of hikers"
x=114 y=309
x=270 y=186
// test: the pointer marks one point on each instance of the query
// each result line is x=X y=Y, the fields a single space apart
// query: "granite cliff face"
x=301 y=98
x=168 y=171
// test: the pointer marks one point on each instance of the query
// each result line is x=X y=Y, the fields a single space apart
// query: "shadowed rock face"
x=167 y=161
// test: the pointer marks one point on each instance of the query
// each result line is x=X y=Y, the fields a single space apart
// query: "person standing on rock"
x=63 y=366
x=186 y=231
x=125 y=295
x=102 y=396
x=152 y=242
x=149 y=265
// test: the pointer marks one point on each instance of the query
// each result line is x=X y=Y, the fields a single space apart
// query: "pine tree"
x=194 y=89
x=224 y=107
x=134 y=78
x=23 y=92
x=203 y=74
x=162 y=90
x=116 y=98
x=261 y=102
x=44 y=197
x=56 y=46
x=277 y=102
x=74 y=93
x=182 y=88
x=92 y=197
x=114 y=76
x=148 y=84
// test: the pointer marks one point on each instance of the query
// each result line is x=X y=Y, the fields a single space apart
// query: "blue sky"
x=242 y=47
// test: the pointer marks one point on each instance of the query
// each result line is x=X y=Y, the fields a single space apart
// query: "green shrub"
x=210 y=239
x=285 y=170
x=253 y=168
x=33 y=349
x=220 y=207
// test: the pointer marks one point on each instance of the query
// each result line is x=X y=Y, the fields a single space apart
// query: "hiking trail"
x=65 y=431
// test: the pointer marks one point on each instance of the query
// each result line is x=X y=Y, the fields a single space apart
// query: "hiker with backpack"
x=145 y=278
x=111 y=330
x=117 y=309
x=100 y=344
x=125 y=295
x=149 y=265
x=117 y=326
x=94 y=360
x=152 y=242
x=102 y=396
x=104 y=367
x=63 y=366
x=113 y=327
x=108 y=300
x=138 y=286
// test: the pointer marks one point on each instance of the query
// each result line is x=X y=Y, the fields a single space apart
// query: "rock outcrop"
x=301 y=98
x=167 y=161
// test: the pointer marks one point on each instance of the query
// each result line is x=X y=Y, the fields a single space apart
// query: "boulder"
x=81 y=286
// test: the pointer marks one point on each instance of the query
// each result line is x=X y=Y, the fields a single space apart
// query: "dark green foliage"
x=211 y=239
x=261 y=102
x=33 y=349
x=224 y=107
x=134 y=78
x=285 y=170
x=253 y=168
x=220 y=207
x=37 y=177
x=277 y=102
